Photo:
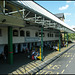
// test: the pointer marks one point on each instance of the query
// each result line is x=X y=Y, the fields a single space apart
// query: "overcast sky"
x=66 y=7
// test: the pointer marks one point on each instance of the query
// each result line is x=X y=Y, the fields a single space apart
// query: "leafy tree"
x=71 y=36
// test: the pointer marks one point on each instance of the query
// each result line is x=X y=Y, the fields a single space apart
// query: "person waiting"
x=36 y=55
x=3 y=57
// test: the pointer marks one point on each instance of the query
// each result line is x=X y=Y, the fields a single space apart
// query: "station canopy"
x=39 y=15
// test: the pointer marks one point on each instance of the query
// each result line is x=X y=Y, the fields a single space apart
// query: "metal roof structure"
x=48 y=20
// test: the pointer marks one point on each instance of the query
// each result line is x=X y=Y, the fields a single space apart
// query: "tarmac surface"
x=23 y=65
x=65 y=64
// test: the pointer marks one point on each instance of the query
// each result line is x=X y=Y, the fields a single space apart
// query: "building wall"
x=20 y=39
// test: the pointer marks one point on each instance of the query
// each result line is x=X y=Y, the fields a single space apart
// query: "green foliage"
x=71 y=36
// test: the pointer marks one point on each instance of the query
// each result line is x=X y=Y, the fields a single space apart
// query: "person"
x=3 y=57
x=33 y=52
x=23 y=50
x=36 y=55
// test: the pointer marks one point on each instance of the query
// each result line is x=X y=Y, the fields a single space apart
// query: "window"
x=21 y=33
x=36 y=34
x=0 y=32
x=28 y=33
x=52 y=35
x=40 y=34
x=48 y=34
x=15 y=32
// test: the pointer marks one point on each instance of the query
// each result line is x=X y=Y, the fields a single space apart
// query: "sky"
x=66 y=7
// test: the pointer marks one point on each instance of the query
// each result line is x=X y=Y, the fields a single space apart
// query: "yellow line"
x=22 y=69
x=57 y=73
x=69 y=61
x=37 y=73
x=27 y=69
x=63 y=71
x=46 y=72
x=67 y=65
x=43 y=72
x=14 y=72
x=31 y=65
x=34 y=64
x=71 y=58
x=19 y=71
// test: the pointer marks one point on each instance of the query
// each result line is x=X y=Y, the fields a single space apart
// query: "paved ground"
x=65 y=64
x=23 y=65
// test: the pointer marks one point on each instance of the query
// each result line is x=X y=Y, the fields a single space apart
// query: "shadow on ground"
x=19 y=60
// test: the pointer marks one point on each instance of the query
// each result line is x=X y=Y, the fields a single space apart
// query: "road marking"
x=53 y=66
x=57 y=73
x=22 y=69
x=69 y=61
x=46 y=72
x=63 y=71
x=14 y=72
x=49 y=72
x=71 y=58
x=19 y=72
x=56 y=66
x=68 y=55
x=67 y=65
x=42 y=71
x=49 y=66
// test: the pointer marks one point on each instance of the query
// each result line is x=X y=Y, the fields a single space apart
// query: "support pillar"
x=59 y=42
x=67 y=39
x=64 y=36
x=41 y=43
x=10 y=46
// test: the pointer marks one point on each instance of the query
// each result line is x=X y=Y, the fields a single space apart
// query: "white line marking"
x=67 y=65
x=63 y=71
x=69 y=61
x=57 y=73
x=71 y=58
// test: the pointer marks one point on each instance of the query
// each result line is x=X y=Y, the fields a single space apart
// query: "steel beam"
x=4 y=6
x=13 y=12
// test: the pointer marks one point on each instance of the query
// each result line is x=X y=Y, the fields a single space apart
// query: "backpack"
x=32 y=57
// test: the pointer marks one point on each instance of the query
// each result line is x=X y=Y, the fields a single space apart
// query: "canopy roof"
x=46 y=14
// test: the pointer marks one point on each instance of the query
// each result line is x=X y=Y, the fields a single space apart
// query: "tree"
x=71 y=36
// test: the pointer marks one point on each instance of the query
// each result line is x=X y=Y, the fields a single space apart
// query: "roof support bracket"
x=4 y=6
x=27 y=14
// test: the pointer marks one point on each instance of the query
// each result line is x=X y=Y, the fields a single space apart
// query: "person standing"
x=3 y=57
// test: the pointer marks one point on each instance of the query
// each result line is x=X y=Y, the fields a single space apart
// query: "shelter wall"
x=21 y=39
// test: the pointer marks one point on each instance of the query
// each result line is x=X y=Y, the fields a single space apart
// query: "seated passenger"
x=36 y=55
x=33 y=52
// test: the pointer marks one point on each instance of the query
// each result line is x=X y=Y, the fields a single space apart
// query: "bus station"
x=27 y=25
